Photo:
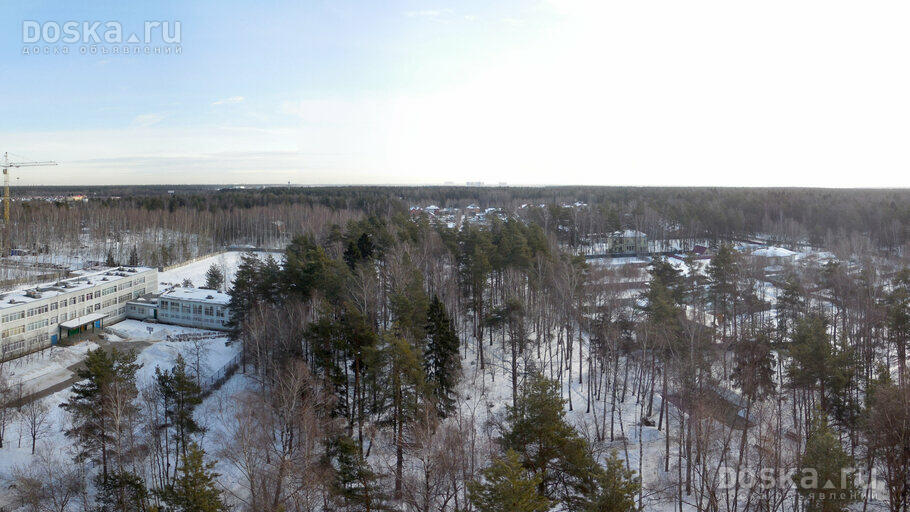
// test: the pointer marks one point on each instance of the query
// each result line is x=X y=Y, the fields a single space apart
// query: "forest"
x=392 y=362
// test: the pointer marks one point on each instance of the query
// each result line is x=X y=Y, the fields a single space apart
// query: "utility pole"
x=6 y=165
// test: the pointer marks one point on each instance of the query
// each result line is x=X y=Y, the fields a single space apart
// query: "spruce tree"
x=244 y=290
x=441 y=361
x=552 y=449
x=820 y=479
x=616 y=490
x=134 y=257
x=508 y=486
x=195 y=488
x=214 y=277
x=354 y=485
x=109 y=261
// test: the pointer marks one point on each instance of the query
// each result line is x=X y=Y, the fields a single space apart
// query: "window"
x=18 y=315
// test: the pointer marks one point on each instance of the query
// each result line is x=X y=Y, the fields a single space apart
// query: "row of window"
x=40 y=310
x=195 y=309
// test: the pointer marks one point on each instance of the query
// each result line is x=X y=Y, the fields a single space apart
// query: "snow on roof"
x=629 y=233
x=197 y=295
x=82 y=320
x=80 y=281
x=774 y=252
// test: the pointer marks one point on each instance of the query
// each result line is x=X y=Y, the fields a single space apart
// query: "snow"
x=774 y=252
x=45 y=368
x=160 y=354
x=198 y=295
x=195 y=271
x=139 y=330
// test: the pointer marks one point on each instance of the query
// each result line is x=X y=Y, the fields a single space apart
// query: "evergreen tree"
x=109 y=261
x=550 y=448
x=195 y=488
x=811 y=356
x=820 y=479
x=214 y=277
x=244 y=290
x=616 y=489
x=354 y=484
x=442 y=363
x=134 y=257
x=790 y=306
x=121 y=491
x=106 y=380
x=508 y=486
x=180 y=395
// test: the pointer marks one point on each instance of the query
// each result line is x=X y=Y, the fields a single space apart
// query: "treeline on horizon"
x=847 y=221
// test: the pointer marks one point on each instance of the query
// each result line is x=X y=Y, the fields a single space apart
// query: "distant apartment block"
x=38 y=317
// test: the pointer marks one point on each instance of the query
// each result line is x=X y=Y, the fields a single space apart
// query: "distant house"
x=628 y=242
x=775 y=255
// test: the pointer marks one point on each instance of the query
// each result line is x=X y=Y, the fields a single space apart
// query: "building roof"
x=629 y=233
x=79 y=281
x=82 y=320
x=197 y=295
x=774 y=252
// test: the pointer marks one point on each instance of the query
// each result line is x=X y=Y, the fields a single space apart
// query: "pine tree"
x=820 y=479
x=105 y=379
x=195 y=488
x=181 y=395
x=214 y=277
x=442 y=363
x=134 y=257
x=508 y=486
x=109 y=261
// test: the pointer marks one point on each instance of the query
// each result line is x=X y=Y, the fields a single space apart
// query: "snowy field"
x=195 y=271
x=45 y=368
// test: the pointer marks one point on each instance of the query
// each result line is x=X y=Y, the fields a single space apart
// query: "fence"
x=216 y=380
x=195 y=336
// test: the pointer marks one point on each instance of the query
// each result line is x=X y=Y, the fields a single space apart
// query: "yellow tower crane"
x=6 y=165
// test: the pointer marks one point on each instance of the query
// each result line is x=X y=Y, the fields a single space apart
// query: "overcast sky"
x=789 y=93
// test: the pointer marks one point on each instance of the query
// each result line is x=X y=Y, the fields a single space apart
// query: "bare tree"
x=48 y=484
x=36 y=420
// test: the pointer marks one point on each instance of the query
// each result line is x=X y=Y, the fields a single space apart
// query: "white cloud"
x=144 y=120
x=229 y=101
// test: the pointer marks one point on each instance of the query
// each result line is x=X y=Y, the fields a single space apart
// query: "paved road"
x=136 y=345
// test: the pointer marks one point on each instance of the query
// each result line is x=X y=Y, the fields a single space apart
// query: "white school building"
x=40 y=316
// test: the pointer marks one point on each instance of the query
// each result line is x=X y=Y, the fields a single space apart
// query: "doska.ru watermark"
x=154 y=37
x=852 y=481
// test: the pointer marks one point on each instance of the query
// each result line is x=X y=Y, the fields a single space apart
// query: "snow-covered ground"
x=195 y=271
x=46 y=368
x=158 y=354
